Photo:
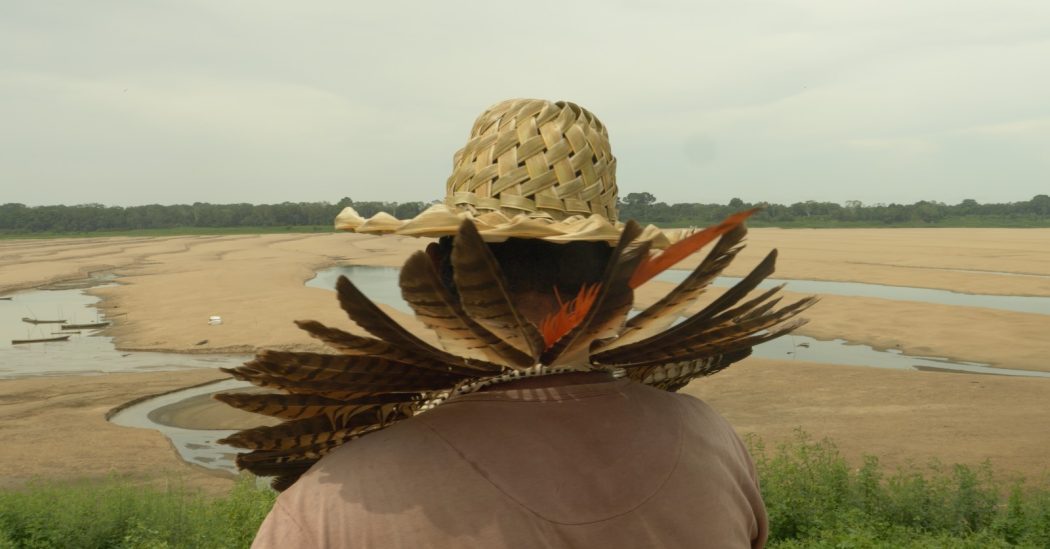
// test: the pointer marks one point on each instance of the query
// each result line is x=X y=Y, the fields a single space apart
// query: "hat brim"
x=441 y=220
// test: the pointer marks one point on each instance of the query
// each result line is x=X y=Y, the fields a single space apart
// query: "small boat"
x=67 y=332
x=41 y=340
x=6 y=298
x=36 y=321
x=85 y=326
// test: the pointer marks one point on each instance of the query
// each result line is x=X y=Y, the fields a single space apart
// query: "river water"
x=86 y=352
x=380 y=284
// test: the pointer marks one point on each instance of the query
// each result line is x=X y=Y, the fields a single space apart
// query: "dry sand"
x=169 y=286
x=898 y=416
x=55 y=428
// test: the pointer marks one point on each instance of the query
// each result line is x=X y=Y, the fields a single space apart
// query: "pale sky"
x=137 y=102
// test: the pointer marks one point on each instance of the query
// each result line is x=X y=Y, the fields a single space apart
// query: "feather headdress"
x=533 y=171
x=371 y=383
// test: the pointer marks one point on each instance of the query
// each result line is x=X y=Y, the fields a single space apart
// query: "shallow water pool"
x=87 y=352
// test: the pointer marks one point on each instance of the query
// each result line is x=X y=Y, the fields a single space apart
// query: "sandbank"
x=901 y=417
x=169 y=286
x=55 y=428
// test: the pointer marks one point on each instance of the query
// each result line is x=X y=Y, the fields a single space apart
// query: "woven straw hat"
x=531 y=169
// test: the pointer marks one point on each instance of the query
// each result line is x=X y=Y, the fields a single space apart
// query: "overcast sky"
x=138 y=102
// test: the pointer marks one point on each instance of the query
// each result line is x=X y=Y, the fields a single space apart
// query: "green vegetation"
x=19 y=220
x=118 y=513
x=811 y=214
x=814 y=499
x=197 y=218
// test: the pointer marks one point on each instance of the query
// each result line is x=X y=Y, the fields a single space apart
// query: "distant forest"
x=644 y=207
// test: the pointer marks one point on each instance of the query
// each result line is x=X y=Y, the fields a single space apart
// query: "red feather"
x=568 y=314
x=654 y=265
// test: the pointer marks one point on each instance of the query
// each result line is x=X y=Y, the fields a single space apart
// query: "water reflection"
x=196 y=446
x=840 y=351
x=378 y=283
x=1020 y=304
x=87 y=352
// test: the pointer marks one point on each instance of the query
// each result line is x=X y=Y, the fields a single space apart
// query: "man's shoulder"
x=694 y=407
x=407 y=444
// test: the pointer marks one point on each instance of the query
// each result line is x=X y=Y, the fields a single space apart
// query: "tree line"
x=19 y=218
x=968 y=213
x=644 y=207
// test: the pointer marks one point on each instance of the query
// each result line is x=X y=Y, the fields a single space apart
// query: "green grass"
x=815 y=499
x=118 y=513
x=174 y=231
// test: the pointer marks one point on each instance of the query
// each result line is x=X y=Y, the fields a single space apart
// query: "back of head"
x=535 y=269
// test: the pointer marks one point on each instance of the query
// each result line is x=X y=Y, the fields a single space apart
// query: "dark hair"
x=535 y=265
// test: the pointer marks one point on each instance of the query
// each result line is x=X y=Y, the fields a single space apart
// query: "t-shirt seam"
x=660 y=486
x=279 y=506
x=474 y=468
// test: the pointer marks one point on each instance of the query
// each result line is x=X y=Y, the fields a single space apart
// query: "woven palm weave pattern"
x=536 y=157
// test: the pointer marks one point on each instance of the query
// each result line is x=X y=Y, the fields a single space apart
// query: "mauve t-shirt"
x=611 y=464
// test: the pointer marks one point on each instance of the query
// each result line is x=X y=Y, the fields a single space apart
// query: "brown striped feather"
x=658 y=316
x=723 y=340
x=324 y=366
x=483 y=294
x=762 y=309
x=356 y=345
x=351 y=381
x=273 y=459
x=295 y=406
x=696 y=322
x=673 y=376
x=367 y=315
x=746 y=308
x=289 y=457
x=297 y=388
x=739 y=290
x=278 y=461
x=338 y=386
x=359 y=393
x=338 y=425
x=288 y=461
x=279 y=405
x=316 y=429
x=459 y=334
x=717 y=332
x=610 y=307
x=742 y=344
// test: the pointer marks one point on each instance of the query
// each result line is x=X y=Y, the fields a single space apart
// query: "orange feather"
x=568 y=315
x=654 y=265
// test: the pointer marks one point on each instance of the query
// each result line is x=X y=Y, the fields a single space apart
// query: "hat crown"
x=535 y=157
